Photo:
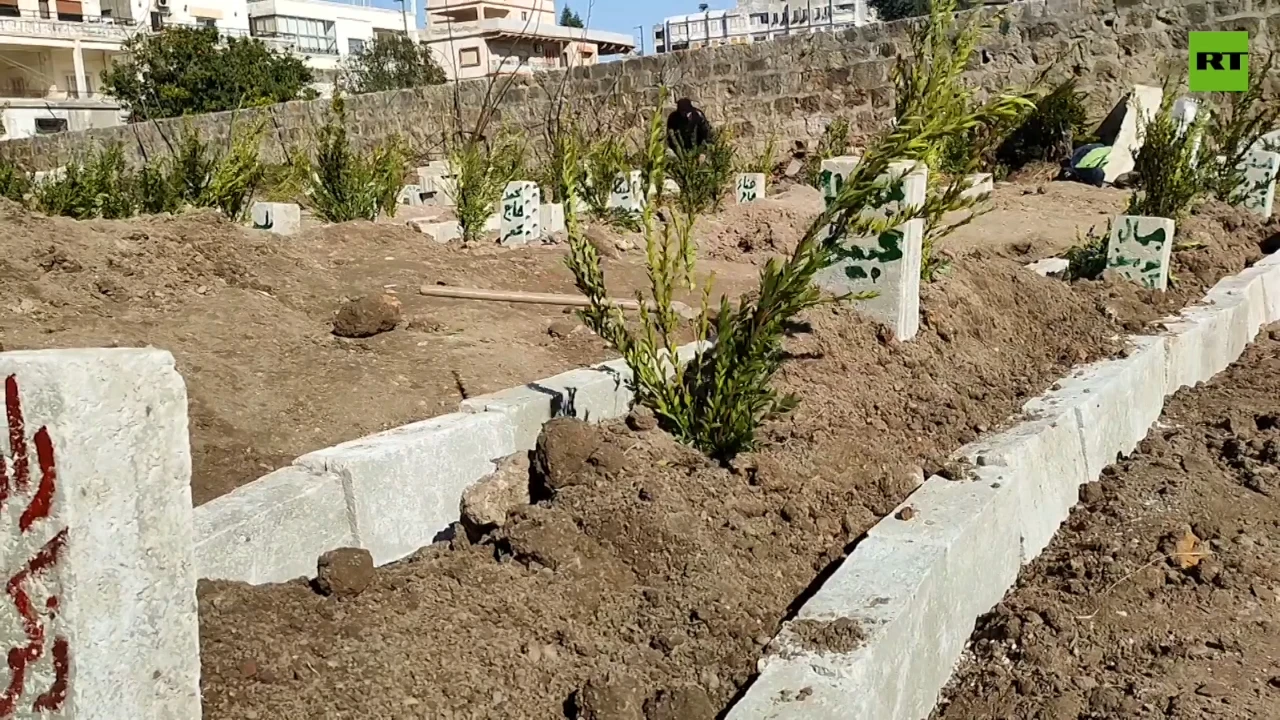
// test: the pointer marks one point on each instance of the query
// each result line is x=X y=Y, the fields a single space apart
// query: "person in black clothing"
x=687 y=127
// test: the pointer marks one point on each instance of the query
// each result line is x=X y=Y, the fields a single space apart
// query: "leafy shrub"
x=717 y=400
x=1087 y=259
x=1169 y=165
x=15 y=183
x=97 y=185
x=704 y=174
x=606 y=159
x=391 y=62
x=766 y=161
x=481 y=174
x=236 y=176
x=834 y=143
x=1050 y=132
x=1235 y=127
x=345 y=185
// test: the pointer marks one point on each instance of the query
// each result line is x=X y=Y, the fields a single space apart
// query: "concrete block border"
x=395 y=491
x=916 y=587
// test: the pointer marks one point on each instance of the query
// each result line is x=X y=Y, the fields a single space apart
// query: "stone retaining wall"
x=790 y=87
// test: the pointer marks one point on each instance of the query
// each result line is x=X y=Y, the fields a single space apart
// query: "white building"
x=477 y=38
x=757 y=20
x=327 y=33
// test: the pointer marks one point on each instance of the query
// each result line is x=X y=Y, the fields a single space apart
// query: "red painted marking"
x=42 y=501
x=20 y=657
x=17 y=433
x=57 y=694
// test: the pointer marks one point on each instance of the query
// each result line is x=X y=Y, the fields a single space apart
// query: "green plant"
x=481 y=174
x=190 y=71
x=98 y=184
x=156 y=190
x=704 y=175
x=236 y=175
x=834 y=143
x=391 y=62
x=15 y=183
x=569 y=18
x=287 y=181
x=1169 y=163
x=1235 y=128
x=192 y=166
x=930 y=88
x=1087 y=259
x=344 y=185
x=1050 y=132
x=765 y=161
x=718 y=399
x=606 y=160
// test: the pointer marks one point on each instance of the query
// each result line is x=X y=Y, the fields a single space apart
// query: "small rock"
x=564 y=448
x=1263 y=593
x=613 y=697
x=248 y=669
x=686 y=703
x=906 y=513
x=1213 y=689
x=1127 y=180
x=345 y=572
x=563 y=328
x=367 y=316
x=485 y=504
x=793 y=168
x=641 y=419
x=1091 y=493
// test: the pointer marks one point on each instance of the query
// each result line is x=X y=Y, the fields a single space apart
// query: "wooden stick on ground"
x=515 y=296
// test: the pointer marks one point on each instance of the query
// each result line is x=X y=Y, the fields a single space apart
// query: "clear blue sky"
x=620 y=16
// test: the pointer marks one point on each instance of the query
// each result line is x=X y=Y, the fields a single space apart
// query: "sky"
x=621 y=16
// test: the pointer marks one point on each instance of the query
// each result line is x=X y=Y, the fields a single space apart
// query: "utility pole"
x=641 y=34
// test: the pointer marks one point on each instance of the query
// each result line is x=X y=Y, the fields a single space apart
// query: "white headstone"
x=410 y=195
x=280 y=218
x=99 y=618
x=1270 y=142
x=888 y=264
x=1140 y=249
x=1142 y=105
x=834 y=172
x=521 y=208
x=980 y=185
x=552 y=217
x=1258 y=189
x=751 y=187
x=627 y=192
x=1184 y=114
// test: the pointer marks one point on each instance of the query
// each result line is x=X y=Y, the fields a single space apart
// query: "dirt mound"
x=1158 y=597
x=757 y=231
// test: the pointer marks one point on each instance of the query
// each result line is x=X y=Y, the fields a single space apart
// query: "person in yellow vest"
x=1087 y=164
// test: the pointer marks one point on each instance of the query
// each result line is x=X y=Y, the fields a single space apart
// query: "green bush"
x=15 y=182
x=1170 y=164
x=705 y=174
x=1049 y=133
x=98 y=184
x=1234 y=128
x=345 y=185
x=1087 y=259
x=606 y=159
x=834 y=143
x=481 y=174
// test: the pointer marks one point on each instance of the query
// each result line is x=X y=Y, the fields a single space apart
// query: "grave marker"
x=627 y=192
x=279 y=218
x=751 y=187
x=410 y=195
x=1140 y=249
x=833 y=174
x=521 y=206
x=981 y=185
x=551 y=215
x=1258 y=189
x=1141 y=105
x=99 y=620
x=887 y=264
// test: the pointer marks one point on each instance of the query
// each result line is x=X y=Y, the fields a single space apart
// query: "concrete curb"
x=395 y=491
x=916 y=587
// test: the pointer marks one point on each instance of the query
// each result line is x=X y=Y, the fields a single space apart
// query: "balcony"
x=510 y=65
x=90 y=28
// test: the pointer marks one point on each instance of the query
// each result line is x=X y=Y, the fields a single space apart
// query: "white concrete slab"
x=99 y=621
x=1140 y=107
x=1141 y=249
x=279 y=218
x=750 y=187
x=1258 y=189
x=520 y=222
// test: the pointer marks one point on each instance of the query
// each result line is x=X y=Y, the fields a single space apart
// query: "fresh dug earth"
x=249 y=317
x=646 y=579
x=1158 y=598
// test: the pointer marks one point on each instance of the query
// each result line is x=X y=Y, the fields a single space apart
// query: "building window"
x=48 y=126
x=524 y=15
x=469 y=57
x=88 y=86
x=207 y=22
x=316 y=37
x=355 y=46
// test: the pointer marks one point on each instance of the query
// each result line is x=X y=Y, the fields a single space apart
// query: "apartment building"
x=327 y=33
x=479 y=38
x=757 y=20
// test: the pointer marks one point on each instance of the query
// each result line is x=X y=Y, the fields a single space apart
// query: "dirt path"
x=651 y=575
x=1158 y=598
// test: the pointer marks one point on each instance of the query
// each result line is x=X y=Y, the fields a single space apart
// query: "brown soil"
x=646 y=571
x=249 y=317
x=1158 y=598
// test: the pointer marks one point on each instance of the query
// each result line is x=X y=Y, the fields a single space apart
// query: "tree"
x=890 y=10
x=184 y=71
x=569 y=18
x=391 y=62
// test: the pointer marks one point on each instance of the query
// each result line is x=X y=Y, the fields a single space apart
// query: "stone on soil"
x=686 y=703
x=564 y=450
x=612 y=697
x=345 y=572
x=367 y=316
x=487 y=503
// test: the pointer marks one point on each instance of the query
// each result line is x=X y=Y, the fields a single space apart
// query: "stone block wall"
x=789 y=88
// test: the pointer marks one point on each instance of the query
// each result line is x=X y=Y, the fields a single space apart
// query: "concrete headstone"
x=410 y=195
x=627 y=192
x=1270 y=142
x=1141 y=105
x=99 y=620
x=280 y=218
x=1258 y=189
x=751 y=187
x=887 y=264
x=521 y=208
x=1140 y=249
x=552 y=217
x=834 y=171
x=981 y=185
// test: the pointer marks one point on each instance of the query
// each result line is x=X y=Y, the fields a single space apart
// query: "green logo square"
x=1219 y=62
